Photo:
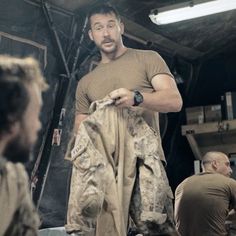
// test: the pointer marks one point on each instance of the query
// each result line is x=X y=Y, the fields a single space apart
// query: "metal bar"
x=48 y=16
x=79 y=47
x=194 y=146
x=210 y=127
x=61 y=99
x=46 y=158
x=54 y=8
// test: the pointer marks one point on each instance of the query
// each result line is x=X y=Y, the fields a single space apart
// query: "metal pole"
x=47 y=13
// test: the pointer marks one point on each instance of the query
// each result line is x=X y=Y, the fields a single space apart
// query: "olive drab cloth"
x=114 y=148
x=18 y=216
x=213 y=195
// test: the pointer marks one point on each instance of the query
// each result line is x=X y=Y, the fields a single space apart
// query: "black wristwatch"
x=138 y=98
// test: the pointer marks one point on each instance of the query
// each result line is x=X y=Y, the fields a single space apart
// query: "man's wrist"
x=138 y=98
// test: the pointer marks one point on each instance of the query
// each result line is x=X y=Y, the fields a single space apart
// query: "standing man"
x=128 y=76
x=203 y=201
x=21 y=84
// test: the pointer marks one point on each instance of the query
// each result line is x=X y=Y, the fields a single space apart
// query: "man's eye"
x=98 y=28
x=111 y=26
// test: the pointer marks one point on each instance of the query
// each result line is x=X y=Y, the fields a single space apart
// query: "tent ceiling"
x=191 y=39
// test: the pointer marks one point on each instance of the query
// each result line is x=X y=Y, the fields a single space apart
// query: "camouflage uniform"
x=116 y=152
x=18 y=215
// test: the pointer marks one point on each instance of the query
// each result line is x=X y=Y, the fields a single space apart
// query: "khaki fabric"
x=105 y=154
x=202 y=203
x=17 y=213
x=133 y=70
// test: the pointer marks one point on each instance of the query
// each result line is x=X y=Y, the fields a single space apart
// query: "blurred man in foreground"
x=21 y=84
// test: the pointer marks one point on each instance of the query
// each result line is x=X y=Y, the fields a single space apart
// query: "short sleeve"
x=155 y=65
x=82 y=102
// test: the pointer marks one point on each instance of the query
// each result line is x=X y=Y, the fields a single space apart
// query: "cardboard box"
x=195 y=115
x=212 y=113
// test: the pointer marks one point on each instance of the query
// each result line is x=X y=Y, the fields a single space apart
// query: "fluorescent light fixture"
x=189 y=10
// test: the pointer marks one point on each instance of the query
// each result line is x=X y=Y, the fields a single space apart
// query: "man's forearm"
x=164 y=101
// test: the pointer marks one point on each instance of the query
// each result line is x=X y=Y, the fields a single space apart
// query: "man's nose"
x=105 y=31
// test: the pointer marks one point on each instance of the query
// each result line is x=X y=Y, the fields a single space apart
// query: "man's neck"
x=108 y=57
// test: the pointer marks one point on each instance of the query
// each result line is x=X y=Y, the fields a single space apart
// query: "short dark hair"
x=103 y=9
x=15 y=74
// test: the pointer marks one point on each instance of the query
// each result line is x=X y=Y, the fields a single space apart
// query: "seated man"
x=203 y=201
x=21 y=84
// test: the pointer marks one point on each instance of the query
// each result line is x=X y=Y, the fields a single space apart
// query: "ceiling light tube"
x=189 y=10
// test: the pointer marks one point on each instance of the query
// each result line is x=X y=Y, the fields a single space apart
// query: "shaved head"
x=217 y=162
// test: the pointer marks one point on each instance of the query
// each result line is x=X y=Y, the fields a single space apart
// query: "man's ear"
x=90 y=35
x=214 y=164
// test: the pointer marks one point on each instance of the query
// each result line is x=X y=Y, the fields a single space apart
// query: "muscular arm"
x=165 y=98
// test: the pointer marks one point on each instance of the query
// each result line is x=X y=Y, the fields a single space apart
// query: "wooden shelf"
x=213 y=136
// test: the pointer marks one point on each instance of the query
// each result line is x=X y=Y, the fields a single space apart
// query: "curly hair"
x=15 y=75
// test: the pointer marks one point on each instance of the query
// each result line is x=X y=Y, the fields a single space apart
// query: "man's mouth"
x=107 y=42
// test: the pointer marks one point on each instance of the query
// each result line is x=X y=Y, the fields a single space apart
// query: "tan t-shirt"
x=133 y=70
x=202 y=203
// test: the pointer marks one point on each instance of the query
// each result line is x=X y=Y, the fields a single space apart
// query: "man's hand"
x=123 y=97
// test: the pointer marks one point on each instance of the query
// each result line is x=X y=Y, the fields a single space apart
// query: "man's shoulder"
x=142 y=51
x=188 y=180
x=16 y=172
x=232 y=181
x=144 y=55
x=87 y=78
x=183 y=183
x=218 y=178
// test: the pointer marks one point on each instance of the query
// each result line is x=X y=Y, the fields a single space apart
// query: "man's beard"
x=16 y=151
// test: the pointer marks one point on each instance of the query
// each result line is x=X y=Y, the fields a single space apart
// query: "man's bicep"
x=162 y=82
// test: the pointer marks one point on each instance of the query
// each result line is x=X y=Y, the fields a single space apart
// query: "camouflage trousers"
x=117 y=172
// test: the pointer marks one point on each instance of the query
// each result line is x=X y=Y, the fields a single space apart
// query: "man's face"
x=106 y=31
x=223 y=166
x=19 y=148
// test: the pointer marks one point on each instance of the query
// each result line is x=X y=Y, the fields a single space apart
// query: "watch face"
x=138 y=98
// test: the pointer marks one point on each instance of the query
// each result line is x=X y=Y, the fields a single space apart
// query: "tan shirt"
x=133 y=70
x=202 y=203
